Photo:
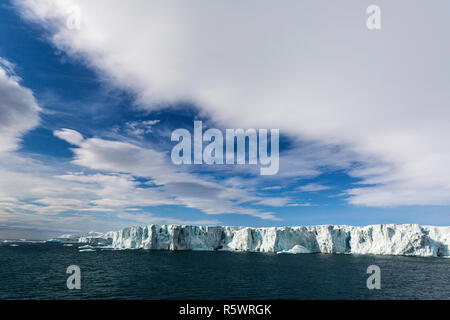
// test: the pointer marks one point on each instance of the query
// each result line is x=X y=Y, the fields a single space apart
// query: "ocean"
x=38 y=271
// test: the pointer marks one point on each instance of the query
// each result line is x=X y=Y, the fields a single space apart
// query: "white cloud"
x=313 y=71
x=145 y=219
x=274 y=201
x=140 y=128
x=43 y=199
x=312 y=187
x=169 y=185
x=18 y=108
x=71 y=136
x=273 y=188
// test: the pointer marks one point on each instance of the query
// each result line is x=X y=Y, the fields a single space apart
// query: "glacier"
x=383 y=239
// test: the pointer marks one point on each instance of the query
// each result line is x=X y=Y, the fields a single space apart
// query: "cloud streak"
x=168 y=185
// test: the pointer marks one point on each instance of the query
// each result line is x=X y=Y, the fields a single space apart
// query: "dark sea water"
x=38 y=271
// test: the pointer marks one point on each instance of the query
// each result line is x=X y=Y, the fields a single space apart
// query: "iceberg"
x=383 y=239
x=85 y=247
x=97 y=238
x=295 y=250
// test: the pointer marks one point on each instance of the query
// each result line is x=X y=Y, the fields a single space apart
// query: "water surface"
x=38 y=271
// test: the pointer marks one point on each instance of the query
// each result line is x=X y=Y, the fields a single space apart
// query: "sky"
x=91 y=91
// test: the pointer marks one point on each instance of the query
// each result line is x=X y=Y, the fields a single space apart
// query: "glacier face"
x=385 y=239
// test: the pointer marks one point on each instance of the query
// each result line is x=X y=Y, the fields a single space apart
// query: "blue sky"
x=88 y=145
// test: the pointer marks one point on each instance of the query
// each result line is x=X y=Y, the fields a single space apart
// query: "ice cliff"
x=386 y=239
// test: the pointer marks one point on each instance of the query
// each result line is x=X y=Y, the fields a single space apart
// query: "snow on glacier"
x=384 y=239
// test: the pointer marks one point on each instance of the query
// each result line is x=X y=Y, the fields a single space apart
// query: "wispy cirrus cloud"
x=169 y=185
x=34 y=195
x=140 y=128
x=313 y=187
